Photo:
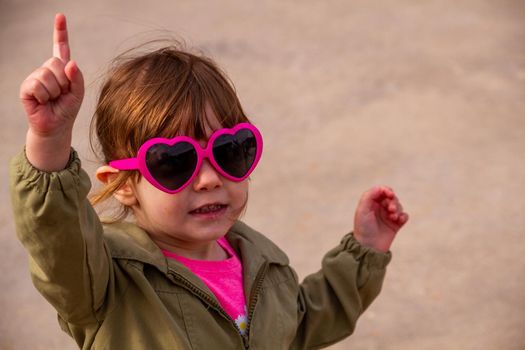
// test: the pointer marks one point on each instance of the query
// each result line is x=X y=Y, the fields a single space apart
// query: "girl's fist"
x=378 y=217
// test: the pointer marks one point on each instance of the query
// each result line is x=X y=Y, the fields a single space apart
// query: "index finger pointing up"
x=60 y=38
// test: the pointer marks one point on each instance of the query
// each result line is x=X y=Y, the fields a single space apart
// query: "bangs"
x=164 y=93
x=178 y=104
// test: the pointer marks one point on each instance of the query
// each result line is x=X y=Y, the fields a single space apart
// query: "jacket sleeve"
x=331 y=300
x=69 y=263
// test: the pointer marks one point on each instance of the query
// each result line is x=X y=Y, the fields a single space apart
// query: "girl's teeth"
x=208 y=208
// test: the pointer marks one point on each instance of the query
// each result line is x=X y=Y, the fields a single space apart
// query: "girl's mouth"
x=209 y=210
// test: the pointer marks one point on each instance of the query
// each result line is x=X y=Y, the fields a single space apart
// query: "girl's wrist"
x=48 y=153
x=371 y=242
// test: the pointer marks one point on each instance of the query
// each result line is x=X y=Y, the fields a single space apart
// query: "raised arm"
x=51 y=96
x=351 y=277
x=55 y=222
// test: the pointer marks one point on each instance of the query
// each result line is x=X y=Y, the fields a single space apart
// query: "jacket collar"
x=250 y=243
x=128 y=241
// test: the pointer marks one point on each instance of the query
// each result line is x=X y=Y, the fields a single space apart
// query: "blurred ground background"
x=425 y=96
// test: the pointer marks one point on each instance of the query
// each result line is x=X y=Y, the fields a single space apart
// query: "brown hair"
x=161 y=93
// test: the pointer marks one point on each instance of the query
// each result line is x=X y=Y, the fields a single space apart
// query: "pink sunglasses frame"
x=139 y=162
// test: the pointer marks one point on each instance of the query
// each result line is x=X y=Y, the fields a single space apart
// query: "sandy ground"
x=425 y=96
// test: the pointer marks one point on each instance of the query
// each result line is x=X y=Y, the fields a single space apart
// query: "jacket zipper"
x=201 y=294
x=254 y=296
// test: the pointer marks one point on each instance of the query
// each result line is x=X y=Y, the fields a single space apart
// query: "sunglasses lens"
x=171 y=166
x=235 y=154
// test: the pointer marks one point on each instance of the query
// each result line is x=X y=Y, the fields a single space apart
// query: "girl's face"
x=189 y=222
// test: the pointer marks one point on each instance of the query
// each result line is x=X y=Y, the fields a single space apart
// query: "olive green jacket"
x=113 y=288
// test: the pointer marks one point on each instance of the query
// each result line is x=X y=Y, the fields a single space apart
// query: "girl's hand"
x=378 y=218
x=51 y=97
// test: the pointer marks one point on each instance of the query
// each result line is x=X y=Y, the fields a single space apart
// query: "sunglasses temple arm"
x=125 y=164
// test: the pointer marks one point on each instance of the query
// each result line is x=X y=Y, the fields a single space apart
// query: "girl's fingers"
x=403 y=218
x=33 y=89
x=56 y=66
x=392 y=205
x=46 y=77
x=398 y=207
x=60 y=38
x=387 y=199
x=387 y=192
x=42 y=85
x=398 y=218
x=76 y=79
x=379 y=193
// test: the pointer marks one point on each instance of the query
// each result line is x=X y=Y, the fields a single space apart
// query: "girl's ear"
x=124 y=194
x=106 y=174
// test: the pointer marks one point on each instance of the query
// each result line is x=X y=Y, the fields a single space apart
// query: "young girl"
x=186 y=274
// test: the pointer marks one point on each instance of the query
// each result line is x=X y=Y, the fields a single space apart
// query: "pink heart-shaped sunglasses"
x=171 y=164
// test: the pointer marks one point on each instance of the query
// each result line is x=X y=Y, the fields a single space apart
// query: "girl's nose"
x=207 y=178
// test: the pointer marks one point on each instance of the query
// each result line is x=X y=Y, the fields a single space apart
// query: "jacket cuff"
x=42 y=181
x=368 y=255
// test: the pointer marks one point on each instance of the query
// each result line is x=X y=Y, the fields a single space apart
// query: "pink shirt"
x=224 y=278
